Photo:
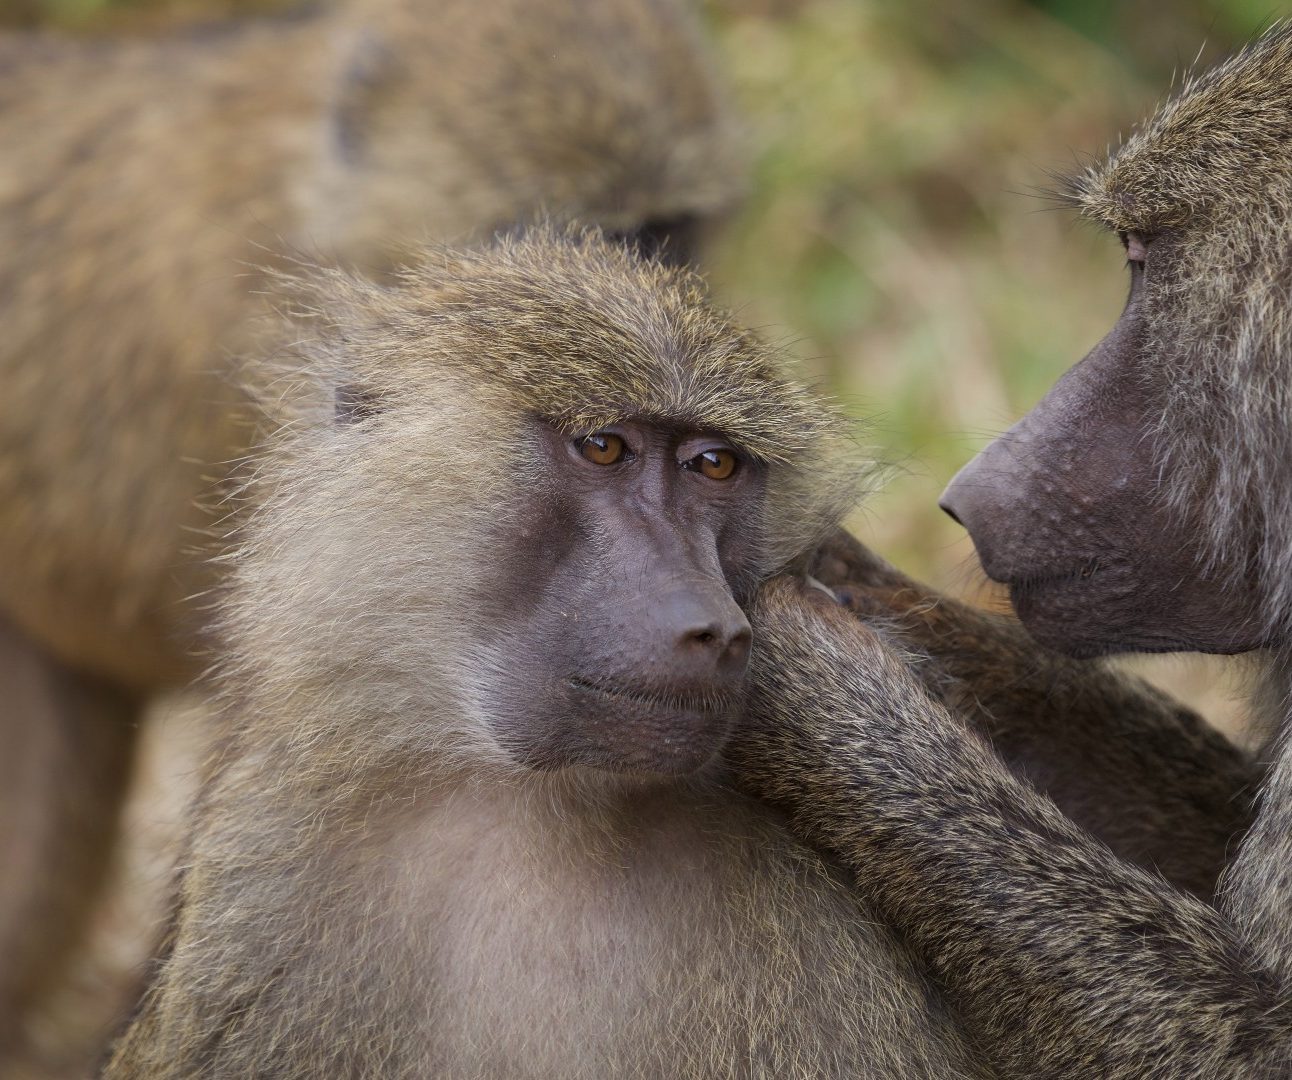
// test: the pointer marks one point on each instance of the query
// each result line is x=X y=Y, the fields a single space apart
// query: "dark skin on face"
x=637 y=547
x=1066 y=508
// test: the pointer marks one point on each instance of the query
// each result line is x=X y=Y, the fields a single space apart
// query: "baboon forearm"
x=1062 y=960
x=1117 y=757
x=1258 y=889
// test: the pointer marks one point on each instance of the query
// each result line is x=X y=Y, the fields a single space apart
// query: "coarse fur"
x=143 y=183
x=1160 y=463
x=1119 y=758
x=376 y=886
x=1060 y=959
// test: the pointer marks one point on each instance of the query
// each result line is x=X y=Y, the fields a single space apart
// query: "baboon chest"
x=693 y=938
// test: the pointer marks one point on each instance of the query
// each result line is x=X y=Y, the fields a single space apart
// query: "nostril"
x=945 y=505
x=717 y=638
x=707 y=636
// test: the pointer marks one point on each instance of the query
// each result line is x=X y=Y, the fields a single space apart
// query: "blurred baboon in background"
x=140 y=183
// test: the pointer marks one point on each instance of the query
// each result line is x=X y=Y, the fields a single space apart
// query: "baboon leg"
x=66 y=744
x=1118 y=757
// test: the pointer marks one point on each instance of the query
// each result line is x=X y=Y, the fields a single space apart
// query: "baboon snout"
x=978 y=498
x=975 y=486
x=700 y=635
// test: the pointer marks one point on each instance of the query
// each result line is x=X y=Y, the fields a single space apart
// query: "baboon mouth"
x=1036 y=582
x=681 y=701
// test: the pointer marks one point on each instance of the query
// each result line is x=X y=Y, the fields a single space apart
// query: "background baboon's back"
x=111 y=311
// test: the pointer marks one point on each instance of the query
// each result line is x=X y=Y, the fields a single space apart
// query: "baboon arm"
x=1117 y=757
x=1062 y=960
x=1258 y=886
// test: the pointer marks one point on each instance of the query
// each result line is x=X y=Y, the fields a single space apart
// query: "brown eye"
x=717 y=464
x=602 y=448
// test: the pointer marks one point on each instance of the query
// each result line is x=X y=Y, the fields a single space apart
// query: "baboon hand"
x=862 y=581
x=820 y=680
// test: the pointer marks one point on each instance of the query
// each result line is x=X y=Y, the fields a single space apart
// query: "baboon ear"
x=355 y=403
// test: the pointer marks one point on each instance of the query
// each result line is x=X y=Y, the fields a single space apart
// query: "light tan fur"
x=375 y=888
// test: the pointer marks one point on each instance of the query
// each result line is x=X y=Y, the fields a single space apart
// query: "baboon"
x=486 y=644
x=1119 y=758
x=1145 y=503
x=140 y=183
x=468 y=706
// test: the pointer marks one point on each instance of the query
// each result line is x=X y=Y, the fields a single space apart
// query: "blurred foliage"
x=899 y=227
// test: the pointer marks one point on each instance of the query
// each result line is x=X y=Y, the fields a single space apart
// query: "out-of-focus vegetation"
x=898 y=230
x=898 y=236
x=94 y=15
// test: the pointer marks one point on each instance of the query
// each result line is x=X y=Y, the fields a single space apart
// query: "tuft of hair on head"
x=561 y=323
x=1221 y=140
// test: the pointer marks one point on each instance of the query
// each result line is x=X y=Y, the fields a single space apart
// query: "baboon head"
x=1146 y=502
x=507 y=111
x=522 y=507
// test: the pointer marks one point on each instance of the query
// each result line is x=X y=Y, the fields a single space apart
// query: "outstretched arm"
x=1063 y=960
x=1147 y=776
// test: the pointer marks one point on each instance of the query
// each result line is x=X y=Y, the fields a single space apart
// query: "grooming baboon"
x=1119 y=758
x=1145 y=503
x=139 y=182
x=1058 y=959
x=461 y=704
x=486 y=646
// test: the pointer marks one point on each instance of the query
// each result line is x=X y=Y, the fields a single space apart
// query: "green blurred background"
x=899 y=228
x=898 y=237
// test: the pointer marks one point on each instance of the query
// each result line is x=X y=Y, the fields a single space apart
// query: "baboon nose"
x=958 y=493
x=711 y=635
x=722 y=637
x=984 y=499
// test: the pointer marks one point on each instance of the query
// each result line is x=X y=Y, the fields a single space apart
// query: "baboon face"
x=1073 y=507
x=522 y=494
x=1144 y=503
x=630 y=557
